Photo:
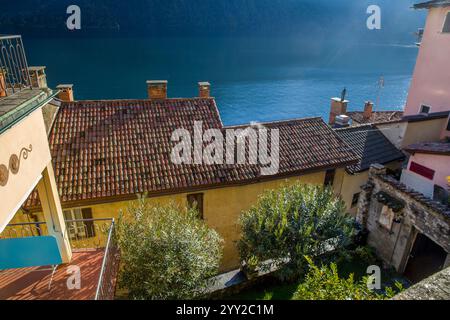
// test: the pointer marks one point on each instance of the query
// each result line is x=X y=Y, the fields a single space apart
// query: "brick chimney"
x=38 y=77
x=204 y=89
x=338 y=107
x=65 y=92
x=368 y=109
x=2 y=84
x=157 y=89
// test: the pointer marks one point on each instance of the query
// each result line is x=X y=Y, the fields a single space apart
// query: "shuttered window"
x=329 y=177
x=422 y=170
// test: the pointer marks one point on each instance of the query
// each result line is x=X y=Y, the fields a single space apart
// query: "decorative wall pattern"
x=13 y=165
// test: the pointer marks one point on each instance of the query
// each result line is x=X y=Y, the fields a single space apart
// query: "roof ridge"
x=135 y=100
x=356 y=126
x=276 y=122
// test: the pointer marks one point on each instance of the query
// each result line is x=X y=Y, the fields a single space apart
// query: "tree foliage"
x=167 y=252
x=324 y=283
x=290 y=223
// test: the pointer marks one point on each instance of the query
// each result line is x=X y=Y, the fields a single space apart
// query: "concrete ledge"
x=436 y=287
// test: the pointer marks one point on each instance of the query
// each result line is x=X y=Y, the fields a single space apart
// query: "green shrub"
x=166 y=252
x=288 y=223
x=324 y=283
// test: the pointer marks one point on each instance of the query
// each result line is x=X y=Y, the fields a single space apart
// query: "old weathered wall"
x=419 y=215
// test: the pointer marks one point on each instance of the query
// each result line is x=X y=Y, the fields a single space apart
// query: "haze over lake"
x=253 y=79
x=266 y=59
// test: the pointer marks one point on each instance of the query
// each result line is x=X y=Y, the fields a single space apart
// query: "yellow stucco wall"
x=423 y=131
x=221 y=207
x=352 y=183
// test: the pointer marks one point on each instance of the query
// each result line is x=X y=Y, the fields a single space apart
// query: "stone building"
x=409 y=231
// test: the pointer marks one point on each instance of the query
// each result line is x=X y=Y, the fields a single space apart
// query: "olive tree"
x=290 y=223
x=166 y=252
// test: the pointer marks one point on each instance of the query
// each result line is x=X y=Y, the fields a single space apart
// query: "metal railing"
x=82 y=234
x=14 y=74
x=110 y=266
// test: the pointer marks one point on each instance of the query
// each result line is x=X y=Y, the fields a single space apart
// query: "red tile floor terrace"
x=33 y=283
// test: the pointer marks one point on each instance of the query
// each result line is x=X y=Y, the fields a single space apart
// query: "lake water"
x=253 y=79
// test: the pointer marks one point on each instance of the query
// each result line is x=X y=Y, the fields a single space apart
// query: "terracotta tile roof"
x=370 y=145
x=119 y=148
x=442 y=148
x=307 y=144
x=376 y=118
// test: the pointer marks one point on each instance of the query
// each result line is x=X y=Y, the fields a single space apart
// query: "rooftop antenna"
x=343 y=94
x=380 y=87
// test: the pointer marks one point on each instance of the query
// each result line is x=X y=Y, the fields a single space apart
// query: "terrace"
x=52 y=259
x=21 y=88
x=94 y=252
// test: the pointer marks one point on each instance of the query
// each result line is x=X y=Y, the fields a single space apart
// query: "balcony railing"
x=82 y=234
x=110 y=267
x=14 y=74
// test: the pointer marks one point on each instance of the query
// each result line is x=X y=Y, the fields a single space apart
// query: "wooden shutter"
x=329 y=177
x=422 y=170
x=90 y=227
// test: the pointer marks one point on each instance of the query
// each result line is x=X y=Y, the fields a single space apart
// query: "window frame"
x=446 y=20
x=355 y=196
x=79 y=230
x=423 y=105
x=389 y=222
x=330 y=175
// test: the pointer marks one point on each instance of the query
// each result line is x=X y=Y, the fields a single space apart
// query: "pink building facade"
x=430 y=87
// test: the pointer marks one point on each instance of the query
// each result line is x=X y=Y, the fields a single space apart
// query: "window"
x=79 y=229
x=195 y=201
x=448 y=125
x=355 y=199
x=329 y=177
x=425 y=109
x=386 y=217
x=422 y=170
x=446 y=28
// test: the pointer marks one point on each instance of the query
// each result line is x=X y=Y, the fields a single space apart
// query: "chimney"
x=38 y=77
x=65 y=92
x=157 y=89
x=338 y=107
x=204 y=89
x=368 y=108
x=342 y=121
x=2 y=84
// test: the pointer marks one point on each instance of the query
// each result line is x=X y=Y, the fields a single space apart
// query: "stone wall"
x=419 y=215
x=435 y=287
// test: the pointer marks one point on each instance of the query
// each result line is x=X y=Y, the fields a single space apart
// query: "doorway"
x=426 y=259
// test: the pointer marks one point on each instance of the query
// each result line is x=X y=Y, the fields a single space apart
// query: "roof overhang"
x=432 y=4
